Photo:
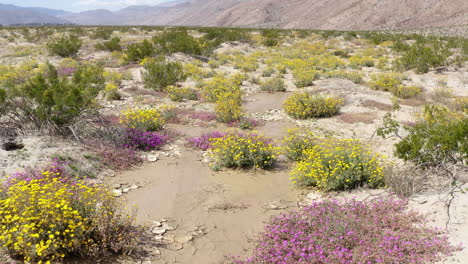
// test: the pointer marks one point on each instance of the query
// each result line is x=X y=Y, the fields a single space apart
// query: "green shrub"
x=48 y=99
x=160 y=74
x=424 y=55
x=439 y=136
x=102 y=33
x=273 y=85
x=339 y=164
x=65 y=46
x=306 y=105
x=176 y=41
x=111 y=45
x=138 y=51
x=244 y=150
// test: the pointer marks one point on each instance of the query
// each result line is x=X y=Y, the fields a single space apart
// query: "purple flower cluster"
x=204 y=142
x=352 y=232
x=145 y=140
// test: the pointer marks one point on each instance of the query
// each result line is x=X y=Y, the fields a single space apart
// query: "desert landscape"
x=147 y=144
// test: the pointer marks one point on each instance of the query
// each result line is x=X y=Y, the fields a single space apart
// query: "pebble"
x=117 y=192
x=153 y=158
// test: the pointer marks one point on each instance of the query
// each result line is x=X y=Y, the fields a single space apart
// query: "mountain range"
x=316 y=14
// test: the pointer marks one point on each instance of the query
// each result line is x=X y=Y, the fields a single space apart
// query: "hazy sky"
x=80 y=5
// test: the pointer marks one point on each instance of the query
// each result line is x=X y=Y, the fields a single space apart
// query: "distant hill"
x=13 y=15
x=314 y=14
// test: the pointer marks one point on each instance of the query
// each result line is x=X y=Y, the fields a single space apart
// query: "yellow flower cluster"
x=228 y=108
x=353 y=76
x=297 y=142
x=48 y=218
x=216 y=87
x=246 y=63
x=339 y=164
x=195 y=71
x=178 y=94
x=438 y=114
x=239 y=150
x=406 y=92
x=357 y=62
x=143 y=119
x=306 y=105
x=461 y=104
x=18 y=75
x=385 y=81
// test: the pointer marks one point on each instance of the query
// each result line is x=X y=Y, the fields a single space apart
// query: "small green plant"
x=179 y=94
x=339 y=164
x=423 y=55
x=65 y=46
x=275 y=84
x=160 y=74
x=306 y=105
x=406 y=92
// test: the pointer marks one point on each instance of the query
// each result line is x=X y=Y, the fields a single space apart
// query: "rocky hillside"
x=316 y=14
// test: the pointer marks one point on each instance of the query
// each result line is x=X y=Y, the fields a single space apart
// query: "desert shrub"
x=245 y=63
x=244 y=150
x=214 y=89
x=228 y=108
x=111 y=45
x=273 y=85
x=358 y=62
x=216 y=36
x=406 y=92
x=305 y=105
x=442 y=95
x=138 y=51
x=304 y=77
x=50 y=218
x=423 y=55
x=204 y=142
x=380 y=230
x=438 y=136
x=65 y=46
x=146 y=141
x=159 y=75
x=268 y=72
x=297 y=142
x=244 y=123
x=115 y=157
x=172 y=41
x=339 y=164
x=102 y=33
x=353 y=76
x=271 y=37
x=147 y=120
x=459 y=104
x=385 y=81
x=112 y=92
x=178 y=94
x=48 y=99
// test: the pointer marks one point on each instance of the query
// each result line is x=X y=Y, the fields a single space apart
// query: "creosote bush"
x=339 y=164
x=172 y=41
x=111 y=45
x=376 y=231
x=305 y=105
x=65 y=46
x=50 y=218
x=160 y=74
x=244 y=150
x=136 y=52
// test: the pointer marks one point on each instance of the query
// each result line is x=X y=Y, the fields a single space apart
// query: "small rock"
x=157 y=224
x=126 y=190
x=313 y=196
x=116 y=186
x=159 y=230
x=175 y=246
x=168 y=228
x=134 y=187
x=117 y=192
x=153 y=158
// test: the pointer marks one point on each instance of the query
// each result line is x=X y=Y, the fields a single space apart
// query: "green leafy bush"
x=65 y=46
x=306 y=105
x=172 y=41
x=138 y=51
x=297 y=142
x=160 y=74
x=48 y=99
x=423 y=55
x=339 y=164
x=179 y=94
x=273 y=85
x=102 y=33
x=439 y=136
x=111 y=45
